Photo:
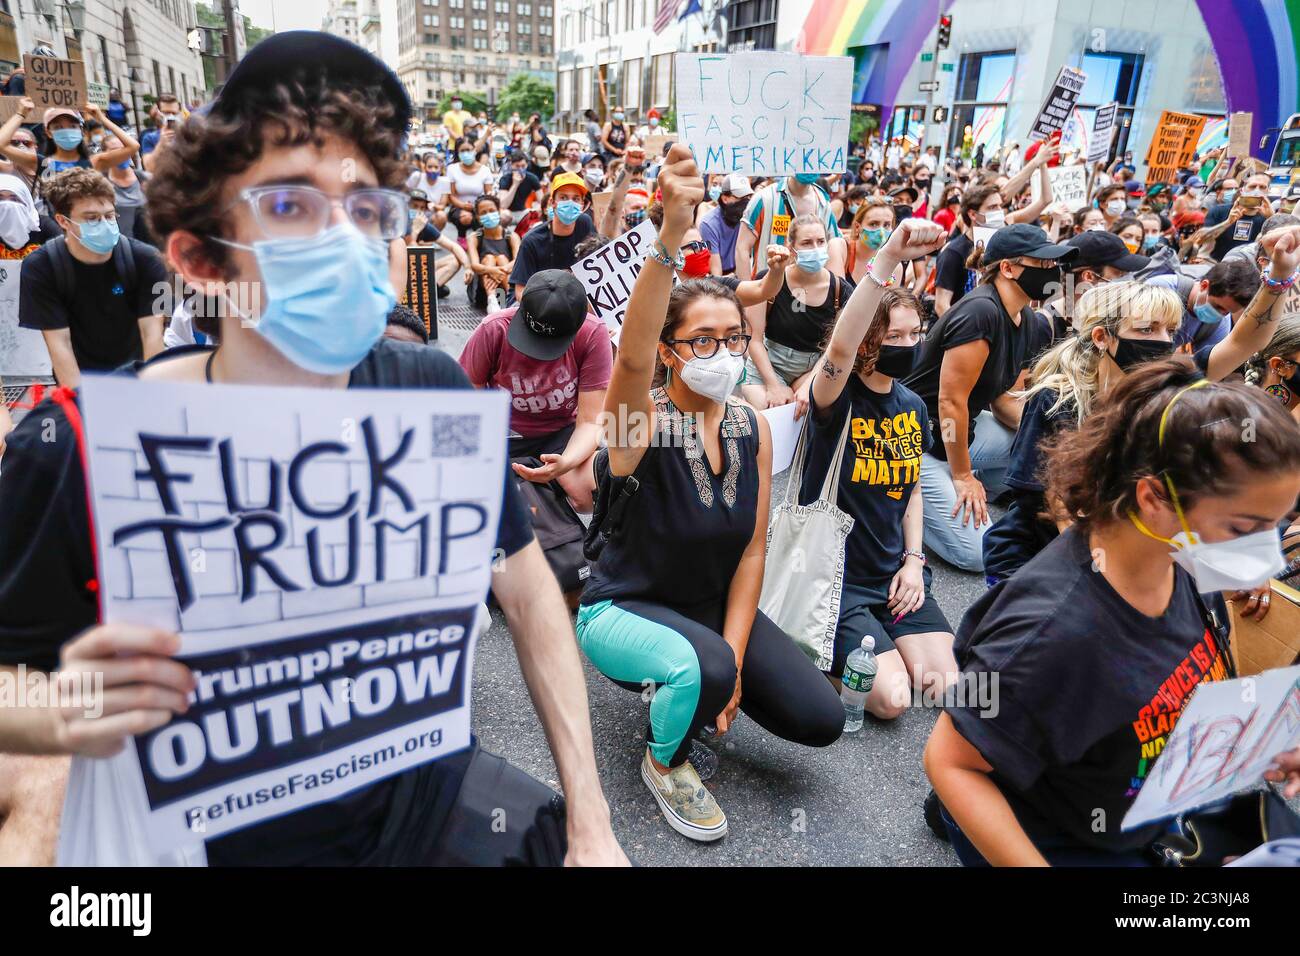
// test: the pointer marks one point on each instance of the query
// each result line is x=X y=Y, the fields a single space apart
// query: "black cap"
x=1024 y=239
x=335 y=58
x=1097 y=248
x=551 y=312
x=899 y=190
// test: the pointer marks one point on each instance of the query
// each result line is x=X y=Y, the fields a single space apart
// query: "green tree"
x=473 y=102
x=525 y=94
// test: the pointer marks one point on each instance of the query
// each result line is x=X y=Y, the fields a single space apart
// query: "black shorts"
x=866 y=611
x=538 y=445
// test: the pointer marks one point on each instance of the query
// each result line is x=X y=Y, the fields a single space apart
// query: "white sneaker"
x=687 y=805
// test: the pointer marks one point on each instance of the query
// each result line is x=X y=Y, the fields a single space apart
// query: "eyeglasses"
x=706 y=346
x=300 y=212
x=694 y=246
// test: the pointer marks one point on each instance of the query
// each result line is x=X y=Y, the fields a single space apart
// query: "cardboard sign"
x=1258 y=646
x=655 y=144
x=609 y=273
x=53 y=82
x=97 y=94
x=1059 y=104
x=22 y=351
x=1103 y=131
x=1225 y=739
x=1239 y=125
x=765 y=113
x=9 y=106
x=1069 y=186
x=322 y=554
x=422 y=286
x=1173 y=145
x=600 y=205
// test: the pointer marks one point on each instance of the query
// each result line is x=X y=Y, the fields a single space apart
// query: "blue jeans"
x=960 y=544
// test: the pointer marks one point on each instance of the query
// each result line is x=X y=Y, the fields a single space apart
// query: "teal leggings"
x=688 y=673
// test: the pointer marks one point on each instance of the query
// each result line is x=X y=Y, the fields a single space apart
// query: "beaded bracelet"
x=871 y=274
x=1278 y=284
x=659 y=253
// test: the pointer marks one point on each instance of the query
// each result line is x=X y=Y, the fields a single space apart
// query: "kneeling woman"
x=672 y=603
x=886 y=591
x=1088 y=639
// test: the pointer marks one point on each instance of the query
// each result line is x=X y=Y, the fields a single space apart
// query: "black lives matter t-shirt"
x=880 y=469
x=48 y=596
x=100 y=312
x=1088 y=691
x=980 y=315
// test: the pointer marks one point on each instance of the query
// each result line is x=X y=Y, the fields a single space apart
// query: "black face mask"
x=1035 y=282
x=897 y=361
x=1130 y=353
x=733 y=212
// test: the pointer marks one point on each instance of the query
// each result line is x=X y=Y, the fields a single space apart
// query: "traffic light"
x=945 y=32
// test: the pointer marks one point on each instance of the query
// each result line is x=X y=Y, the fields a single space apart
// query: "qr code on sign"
x=454 y=436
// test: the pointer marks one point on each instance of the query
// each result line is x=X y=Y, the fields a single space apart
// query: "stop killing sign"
x=609 y=273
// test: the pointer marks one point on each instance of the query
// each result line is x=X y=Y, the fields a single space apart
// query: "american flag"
x=667 y=10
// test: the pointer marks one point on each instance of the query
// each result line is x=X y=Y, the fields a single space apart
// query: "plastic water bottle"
x=859 y=675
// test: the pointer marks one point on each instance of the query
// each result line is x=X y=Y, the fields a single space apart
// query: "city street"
x=856 y=802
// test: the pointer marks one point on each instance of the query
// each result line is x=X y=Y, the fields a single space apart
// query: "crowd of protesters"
x=983 y=375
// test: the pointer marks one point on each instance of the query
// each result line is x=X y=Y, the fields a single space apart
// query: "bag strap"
x=831 y=486
x=61 y=260
x=1222 y=632
x=124 y=263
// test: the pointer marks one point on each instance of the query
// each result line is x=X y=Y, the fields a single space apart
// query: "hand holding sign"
x=144 y=687
x=1287 y=772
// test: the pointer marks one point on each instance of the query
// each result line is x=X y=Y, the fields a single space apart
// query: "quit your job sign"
x=765 y=113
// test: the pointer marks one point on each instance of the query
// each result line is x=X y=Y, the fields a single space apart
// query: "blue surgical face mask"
x=490 y=220
x=100 y=237
x=568 y=211
x=68 y=139
x=550 y=213
x=715 y=192
x=1149 y=243
x=124 y=164
x=1229 y=195
x=654 y=121
x=328 y=296
x=807 y=178
x=618 y=117
x=1208 y=314
x=467 y=158
x=812 y=260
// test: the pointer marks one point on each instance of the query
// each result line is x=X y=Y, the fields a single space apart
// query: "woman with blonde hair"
x=1122 y=325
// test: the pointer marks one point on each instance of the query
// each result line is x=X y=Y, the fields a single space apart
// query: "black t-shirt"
x=47 y=594
x=1089 y=690
x=950 y=268
x=1020 y=533
x=1244 y=230
x=429 y=235
x=800 y=326
x=543 y=249
x=1012 y=347
x=880 y=469
x=526 y=188
x=101 y=313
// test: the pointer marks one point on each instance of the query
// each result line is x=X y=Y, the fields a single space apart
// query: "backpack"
x=558 y=528
x=612 y=496
x=65 y=280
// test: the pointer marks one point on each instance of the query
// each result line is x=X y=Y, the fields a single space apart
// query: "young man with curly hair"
x=302 y=142
x=91 y=293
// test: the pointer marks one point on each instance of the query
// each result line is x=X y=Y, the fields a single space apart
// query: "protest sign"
x=608 y=274
x=764 y=113
x=97 y=94
x=1059 y=104
x=655 y=143
x=422 y=286
x=1173 y=145
x=785 y=435
x=53 y=82
x=22 y=351
x=1225 y=739
x=9 y=106
x=322 y=553
x=1069 y=186
x=1239 y=134
x=1103 y=131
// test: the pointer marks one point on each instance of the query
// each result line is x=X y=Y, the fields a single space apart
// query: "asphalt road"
x=857 y=802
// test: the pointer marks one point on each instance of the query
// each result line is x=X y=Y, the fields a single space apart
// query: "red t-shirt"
x=543 y=395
